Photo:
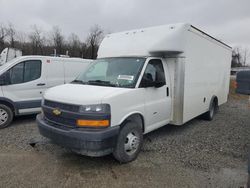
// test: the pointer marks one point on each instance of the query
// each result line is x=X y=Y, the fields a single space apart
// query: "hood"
x=80 y=94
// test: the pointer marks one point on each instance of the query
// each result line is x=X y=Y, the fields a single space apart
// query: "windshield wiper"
x=79 y=82
x=101 y=83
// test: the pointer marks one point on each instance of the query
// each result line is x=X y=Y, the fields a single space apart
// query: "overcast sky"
x=227 y=20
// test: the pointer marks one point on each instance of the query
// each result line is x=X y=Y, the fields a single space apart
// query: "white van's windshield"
x=112 y=72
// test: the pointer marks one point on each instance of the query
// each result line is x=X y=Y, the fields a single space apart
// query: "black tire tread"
x=118 y=152
x=10 y=115
x=207 y=116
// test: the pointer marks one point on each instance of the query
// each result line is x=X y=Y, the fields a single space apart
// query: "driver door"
x=156 y=98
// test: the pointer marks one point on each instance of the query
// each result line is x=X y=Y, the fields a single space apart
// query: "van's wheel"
x=209 y=115
x=129 y=142
x=6 y=116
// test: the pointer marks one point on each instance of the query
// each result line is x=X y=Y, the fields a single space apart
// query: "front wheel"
x=6 y=116
x=129 y=143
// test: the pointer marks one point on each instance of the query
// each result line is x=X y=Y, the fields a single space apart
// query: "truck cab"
x=111 y=93
x=142 y=80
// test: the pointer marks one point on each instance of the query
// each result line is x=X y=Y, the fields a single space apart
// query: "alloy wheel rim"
x=3 y=116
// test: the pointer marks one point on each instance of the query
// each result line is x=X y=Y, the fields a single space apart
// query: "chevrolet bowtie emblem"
x=56 y=112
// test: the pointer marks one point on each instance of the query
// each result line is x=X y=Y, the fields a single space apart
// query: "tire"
x=6 y=116
x=129 y=143
x=209 y=115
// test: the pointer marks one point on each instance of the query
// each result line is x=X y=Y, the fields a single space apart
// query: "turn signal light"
x=92 y=123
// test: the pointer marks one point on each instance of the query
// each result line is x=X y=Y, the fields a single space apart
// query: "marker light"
x=92 y=123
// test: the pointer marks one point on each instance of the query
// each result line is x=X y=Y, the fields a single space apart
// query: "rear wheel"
x=209 y=115
x=129 y=143
x=6 y=116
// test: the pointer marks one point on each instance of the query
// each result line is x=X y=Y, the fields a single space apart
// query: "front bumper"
x=90 y=142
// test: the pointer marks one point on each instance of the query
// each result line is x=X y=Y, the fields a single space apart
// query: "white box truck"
x=24 y=79
x=142 y=80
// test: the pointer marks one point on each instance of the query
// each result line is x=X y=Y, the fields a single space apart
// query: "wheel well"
x=9 y=105
x=138 y=118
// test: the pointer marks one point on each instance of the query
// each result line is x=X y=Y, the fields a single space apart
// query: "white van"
x=24 y=79
x=142 y=80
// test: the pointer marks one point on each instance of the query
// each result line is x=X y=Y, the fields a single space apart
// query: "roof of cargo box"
x=158 y=40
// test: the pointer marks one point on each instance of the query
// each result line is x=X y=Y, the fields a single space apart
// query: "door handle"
x=41 y=84
x=167 y=92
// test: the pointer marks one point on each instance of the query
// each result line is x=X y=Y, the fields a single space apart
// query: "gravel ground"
x=198 y=154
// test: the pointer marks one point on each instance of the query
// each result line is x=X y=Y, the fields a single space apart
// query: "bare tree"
x=3 y=35
x=11 y=33
x=84 y=50
x=37 y=40
x=245 y=54
x=74 y=44
x=21 y=42
x=94 y=39
x=235 y=58
x=58 y=39
x=239 y=56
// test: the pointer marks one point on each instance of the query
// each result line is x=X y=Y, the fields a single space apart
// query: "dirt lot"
x=199 y=154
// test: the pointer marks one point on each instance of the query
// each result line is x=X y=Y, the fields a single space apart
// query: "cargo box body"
x=201 y=72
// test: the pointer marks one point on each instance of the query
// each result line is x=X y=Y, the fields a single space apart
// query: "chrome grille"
x=69 y=122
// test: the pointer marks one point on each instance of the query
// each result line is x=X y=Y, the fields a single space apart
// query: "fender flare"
x=131 y=114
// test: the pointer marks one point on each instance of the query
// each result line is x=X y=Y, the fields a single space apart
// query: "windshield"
x=112 y=72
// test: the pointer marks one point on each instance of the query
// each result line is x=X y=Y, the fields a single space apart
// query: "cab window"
x=154 y=73
x=25 y=72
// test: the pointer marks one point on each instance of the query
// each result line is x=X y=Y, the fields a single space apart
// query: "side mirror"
x=147 y=83
x=5 y=79
x=159 y=84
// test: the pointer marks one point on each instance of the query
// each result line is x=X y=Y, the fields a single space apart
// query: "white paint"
x=144 y=42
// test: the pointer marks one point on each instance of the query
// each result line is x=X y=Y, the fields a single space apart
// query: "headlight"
x=95 y=122
x=95 y=108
